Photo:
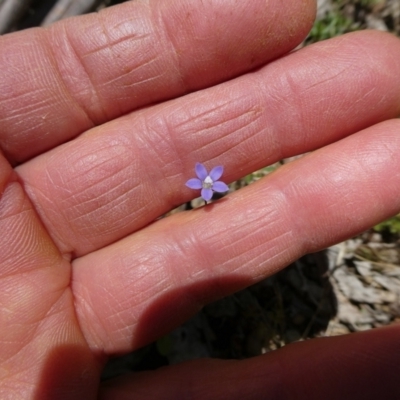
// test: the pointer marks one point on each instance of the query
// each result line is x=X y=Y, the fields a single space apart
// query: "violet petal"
x=216 y=173
x=201 y=171
x=206 y=194
x=194 y=183
x=220 y=187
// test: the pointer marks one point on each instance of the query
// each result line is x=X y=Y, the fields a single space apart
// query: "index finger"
x=56 y=83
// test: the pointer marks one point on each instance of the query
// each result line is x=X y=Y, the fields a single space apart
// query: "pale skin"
x=89 y=161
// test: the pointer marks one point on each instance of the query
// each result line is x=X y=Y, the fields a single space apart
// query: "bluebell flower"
x=207 y=182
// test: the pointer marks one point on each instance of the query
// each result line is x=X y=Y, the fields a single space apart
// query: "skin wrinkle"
x=10 y=359
x=108 y=195
x=30 y=327
x=141 y=265
x=119 y=202
x=283 y=257
x=350 y=65
x=220 y=115
x=140 y=297
x=343 y=168
x=79 y=65
x=282 y=105
x=101 y=182
x=265 y=258
x=234 y=110
x=64 y=73
x=40 y=82
x=20 y=97
x=235 y=228
x=36 y=122
x=40 y=356
x=10 y=274
x=323 y=178
x=138 y=83
x=61 y=78
x=293 y=81
x=163 y=283
x=83 y=306
x=158 y=132
x=159 y=20
x=371 y=61
x=235 y=224
x=147 y=189
x=47 y=313
x=29 y=244
x=18 y=119
x=84 y=180
x=30 y=286
x=111 y=43
x=141 y=300
x=142 y=65
x=192 y=244
x=148 y=146
x=14 y=208
x=120 y=329
x=115 y=318
x=232 y=134
x=194 y=112
x=159 y=28
x=363 y=169
x=235 y=149
x=339 y=59
x=101 y=161
x=34 y=196
x=286 y=192
x=392 y=154
x=200 y=25
x=139 y=212
x=270 y=133
x=89 y=163
x=54 y=183
x=196 y=298
x=108 y=47
x=9 y=216
x=317 y=50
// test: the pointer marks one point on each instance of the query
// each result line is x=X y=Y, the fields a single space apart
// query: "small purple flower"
x=208 y=183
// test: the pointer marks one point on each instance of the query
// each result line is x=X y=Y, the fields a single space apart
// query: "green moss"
x=333 y=24
x=391 y=225
x=337 y=22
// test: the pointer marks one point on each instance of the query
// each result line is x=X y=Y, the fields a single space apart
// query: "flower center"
x=207 y=183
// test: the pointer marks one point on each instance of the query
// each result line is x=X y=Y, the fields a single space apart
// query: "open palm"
x=102 y=119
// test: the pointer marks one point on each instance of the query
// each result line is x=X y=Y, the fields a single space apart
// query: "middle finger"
x=122 y=175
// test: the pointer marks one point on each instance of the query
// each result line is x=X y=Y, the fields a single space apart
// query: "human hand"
x=90 y=160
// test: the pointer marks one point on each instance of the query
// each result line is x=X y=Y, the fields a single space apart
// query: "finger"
x=118 y=178
x=59 y=82
x=40 y=339
x=140 y=287
x=357 y=366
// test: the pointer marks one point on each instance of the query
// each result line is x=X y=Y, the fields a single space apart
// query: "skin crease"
x=102 y=120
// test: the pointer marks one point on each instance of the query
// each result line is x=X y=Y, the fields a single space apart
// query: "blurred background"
x=352 y=286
